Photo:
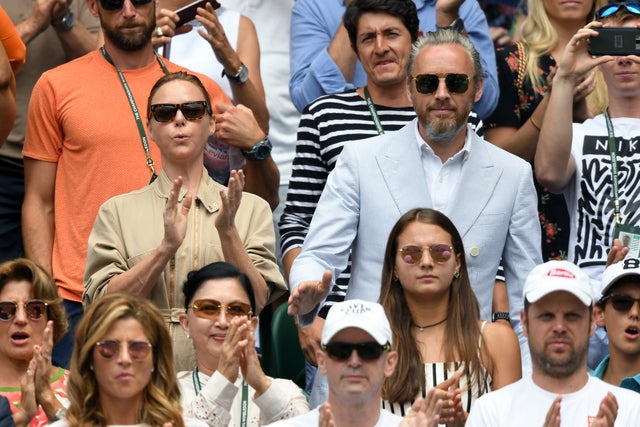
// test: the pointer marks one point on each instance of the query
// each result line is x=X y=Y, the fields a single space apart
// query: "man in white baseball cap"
x=557 y=320
x=618 y=311
x=356 y=357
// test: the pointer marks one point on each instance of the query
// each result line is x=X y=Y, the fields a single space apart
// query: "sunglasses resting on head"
x=610 y=9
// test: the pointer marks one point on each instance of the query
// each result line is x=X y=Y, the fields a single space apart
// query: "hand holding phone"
x=618 y=41
x=189 y=12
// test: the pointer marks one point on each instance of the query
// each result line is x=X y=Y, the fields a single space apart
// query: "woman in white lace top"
x=219 y=306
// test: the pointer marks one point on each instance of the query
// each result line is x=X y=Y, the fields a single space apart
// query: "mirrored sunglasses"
x=117 y=4
x=191 y=111
x=35 y=309
x=138 y=350
x=211 y=309
x=341 y=351
x=611 y=9
x=620 y=302
x=412 y=254
x=428 y=83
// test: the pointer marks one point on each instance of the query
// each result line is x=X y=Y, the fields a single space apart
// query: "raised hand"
x=175 y=218
x=448 y=392
x=553 y=416
x=607 y=413
x=250 y=366
x=617 y=252
x=232 y=347
x=326 y=416
x=230 y=201
x=424 y=412
x=308 y=294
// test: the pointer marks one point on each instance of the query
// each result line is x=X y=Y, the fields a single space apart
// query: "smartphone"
x=189 y=12
x=618 y=41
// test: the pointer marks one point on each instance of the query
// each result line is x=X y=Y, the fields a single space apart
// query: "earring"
x=187 y=335
x=153 y=369
x=395 y=278
x=456 y=274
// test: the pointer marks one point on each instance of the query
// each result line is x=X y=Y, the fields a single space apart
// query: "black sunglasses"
x=191 y=111
x=428 y=83
x=35 y=309
x=620 y=302
x=610 y=9
x=138 y=350
x=117 y=4
x=366 y=350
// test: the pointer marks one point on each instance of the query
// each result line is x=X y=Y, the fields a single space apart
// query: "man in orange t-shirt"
x=83 y=144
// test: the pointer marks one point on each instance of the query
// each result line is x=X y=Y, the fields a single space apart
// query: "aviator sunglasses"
x=117 y=4
x=620 y=302
x=138 y=350
x=210 y=309
x=412 y=254
x=191 y=111
x=35 y=309
x=366 y=350
x=428 y=83
x=610 y=9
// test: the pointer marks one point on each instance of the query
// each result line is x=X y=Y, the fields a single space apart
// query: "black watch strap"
x=501 y=315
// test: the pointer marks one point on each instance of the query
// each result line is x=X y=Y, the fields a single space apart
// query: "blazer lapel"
x=401 y=170
x=476 y=187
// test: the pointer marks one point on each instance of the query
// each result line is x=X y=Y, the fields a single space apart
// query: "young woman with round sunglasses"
x=145 y=242
x=122 y=368
x=435 y=320
x=219 y=303
x=32 y=320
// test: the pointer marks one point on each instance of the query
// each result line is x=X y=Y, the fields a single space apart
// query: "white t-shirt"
x=590 y=194
x=525 y=404
x=387 y=419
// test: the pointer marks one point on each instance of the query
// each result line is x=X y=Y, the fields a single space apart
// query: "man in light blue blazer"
x=435 y=161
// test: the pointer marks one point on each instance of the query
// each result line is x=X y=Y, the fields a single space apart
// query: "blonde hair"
x=161 y=397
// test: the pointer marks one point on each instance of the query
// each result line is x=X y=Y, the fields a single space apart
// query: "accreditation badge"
x=629 y=236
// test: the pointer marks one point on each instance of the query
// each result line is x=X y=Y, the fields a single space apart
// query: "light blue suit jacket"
x=376 y=181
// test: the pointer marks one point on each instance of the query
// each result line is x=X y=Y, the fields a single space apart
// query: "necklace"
x=422 y=328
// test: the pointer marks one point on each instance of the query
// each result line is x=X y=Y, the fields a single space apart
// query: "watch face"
x=243 y=76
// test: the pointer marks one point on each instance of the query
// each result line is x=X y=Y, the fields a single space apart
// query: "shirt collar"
x=463 y=153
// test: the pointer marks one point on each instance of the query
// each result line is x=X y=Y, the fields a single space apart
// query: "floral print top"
x=514 y=109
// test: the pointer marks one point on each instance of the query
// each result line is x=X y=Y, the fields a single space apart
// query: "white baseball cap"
x=553 y=276
x=356 y=313
x=626 y=267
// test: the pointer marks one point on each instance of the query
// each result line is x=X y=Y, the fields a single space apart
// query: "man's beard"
x=130 y=42
x=442 y=131
x=560 y=368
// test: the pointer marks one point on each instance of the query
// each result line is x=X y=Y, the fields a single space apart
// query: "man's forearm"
x=38 y=232
x=263 y=179
x=78 y=41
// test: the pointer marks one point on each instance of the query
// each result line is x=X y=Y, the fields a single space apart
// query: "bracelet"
x=501 y=315
x=533 y=122
x=59 y=415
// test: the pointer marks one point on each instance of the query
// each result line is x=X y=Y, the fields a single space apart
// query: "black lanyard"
x=374 y=112
x=614 y=166
x=134 y=108
x=244 y=407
